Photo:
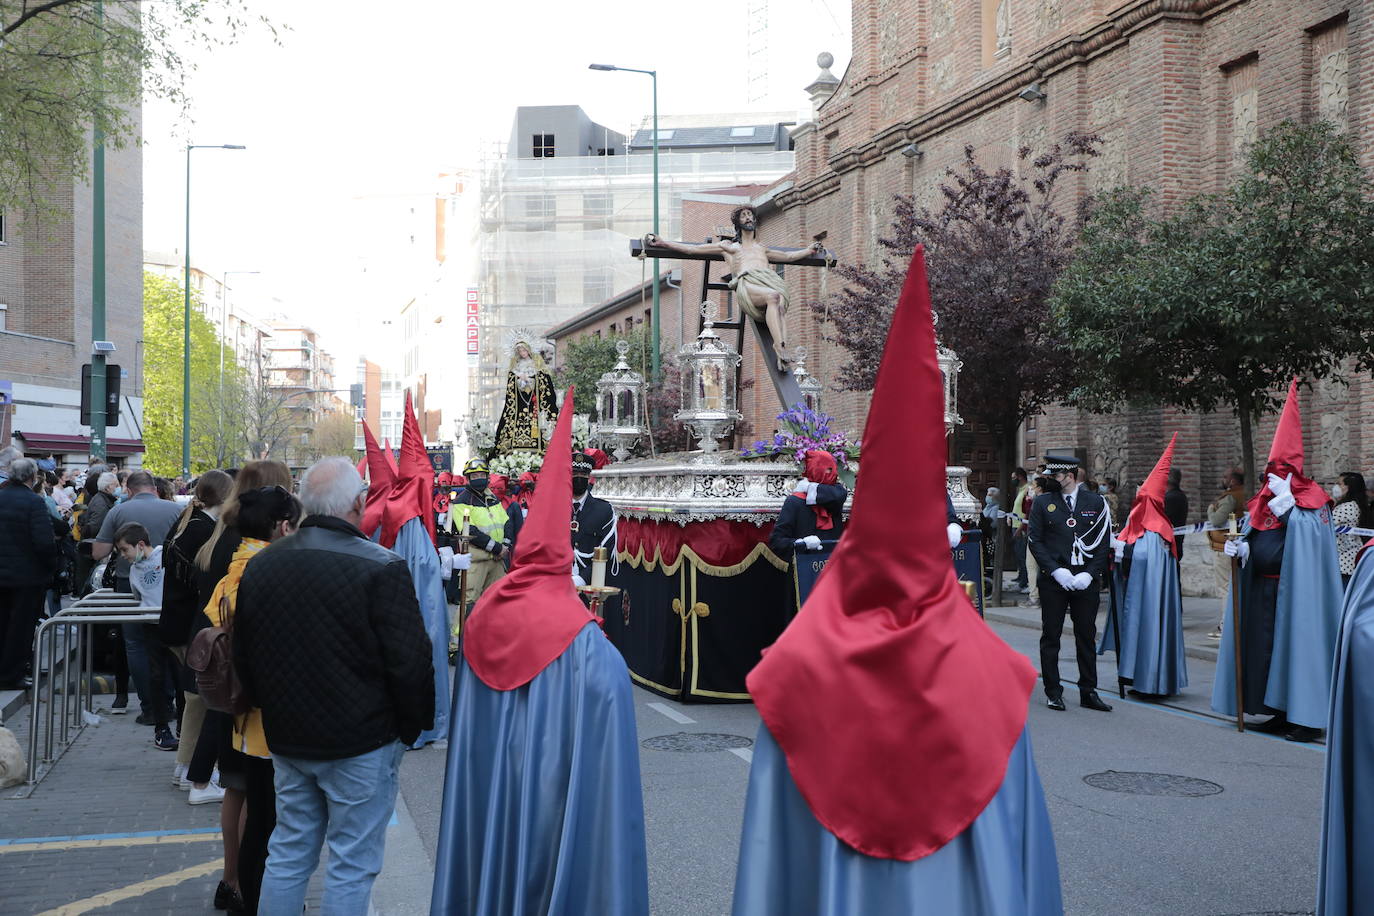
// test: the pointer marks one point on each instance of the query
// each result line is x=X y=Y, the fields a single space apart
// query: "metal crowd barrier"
x=71 y=628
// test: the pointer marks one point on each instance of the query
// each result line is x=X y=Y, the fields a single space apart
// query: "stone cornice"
x=1071 y=50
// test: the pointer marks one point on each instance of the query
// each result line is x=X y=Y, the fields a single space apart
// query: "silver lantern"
x=810 y=385
x=619 y=394
x=708 y=399
x=950 y=365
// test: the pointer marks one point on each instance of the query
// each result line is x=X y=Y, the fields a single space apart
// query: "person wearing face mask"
x=593 y=521
x=1070 y=537
x=486 y=527
x=145 y=582
x=1352 y=508
x=522 y=492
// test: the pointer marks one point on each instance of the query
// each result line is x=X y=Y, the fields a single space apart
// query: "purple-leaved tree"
x=995 y=243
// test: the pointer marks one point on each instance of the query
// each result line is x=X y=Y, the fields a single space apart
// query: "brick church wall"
x=1175 y=88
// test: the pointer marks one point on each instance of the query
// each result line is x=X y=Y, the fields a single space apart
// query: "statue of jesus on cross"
x=761 y=292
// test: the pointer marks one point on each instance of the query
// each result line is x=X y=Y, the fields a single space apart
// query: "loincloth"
x=758 y=277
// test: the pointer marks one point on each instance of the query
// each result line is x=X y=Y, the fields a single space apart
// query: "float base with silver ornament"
x=702 y=594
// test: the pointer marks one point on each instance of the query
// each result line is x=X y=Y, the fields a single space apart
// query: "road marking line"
x=106 y=836
x=136 y=890
x=671 y=713
x=112 y=842
x=743 y=753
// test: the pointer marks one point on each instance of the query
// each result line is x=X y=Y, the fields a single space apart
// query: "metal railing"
x=70 y=627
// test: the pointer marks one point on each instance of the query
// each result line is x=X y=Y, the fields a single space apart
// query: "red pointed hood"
x=380 y=480
x=411 y=495
x=362 y=467
x=390 y=457
x=532 y=613
x=1286 y=457
x=870 y=691
x=1148 y=512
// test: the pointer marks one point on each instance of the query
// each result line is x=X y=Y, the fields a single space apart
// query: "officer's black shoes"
x=1090 y=700
x=1275 y=726
x=1302 y=734
x=1056 y=703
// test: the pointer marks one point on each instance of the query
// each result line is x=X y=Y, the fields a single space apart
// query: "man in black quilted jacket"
x=329 y=642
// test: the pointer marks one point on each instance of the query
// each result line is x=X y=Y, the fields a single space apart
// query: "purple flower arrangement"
x=805 y=429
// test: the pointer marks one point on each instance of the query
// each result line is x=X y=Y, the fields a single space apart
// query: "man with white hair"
x=28 y=555
x=330 y=643
x=7 y=455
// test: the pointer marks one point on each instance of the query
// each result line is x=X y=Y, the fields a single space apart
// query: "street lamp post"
x=653 y=75
x=186 y=316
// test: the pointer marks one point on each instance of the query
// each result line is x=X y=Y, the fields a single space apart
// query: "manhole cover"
x=1152 y=784
x=695 y=742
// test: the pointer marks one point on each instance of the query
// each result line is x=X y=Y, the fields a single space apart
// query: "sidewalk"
x=1200 y=615
x=105 y=831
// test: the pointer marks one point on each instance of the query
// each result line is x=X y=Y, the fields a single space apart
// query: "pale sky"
x=373 y=98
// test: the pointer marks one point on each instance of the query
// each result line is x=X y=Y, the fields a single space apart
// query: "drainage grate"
x=695 y=742
x=1152 y=784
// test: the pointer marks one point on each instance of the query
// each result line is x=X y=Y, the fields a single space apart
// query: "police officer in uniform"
x=486 y=528
x=593 y=520
x=1070 y=537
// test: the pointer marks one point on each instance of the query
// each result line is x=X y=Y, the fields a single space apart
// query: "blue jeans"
x=349 y=802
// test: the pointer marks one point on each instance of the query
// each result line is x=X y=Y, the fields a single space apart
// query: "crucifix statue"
x=760 y=291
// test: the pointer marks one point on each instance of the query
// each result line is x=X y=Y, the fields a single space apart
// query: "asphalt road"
x=1250 y=847
x=106 y=833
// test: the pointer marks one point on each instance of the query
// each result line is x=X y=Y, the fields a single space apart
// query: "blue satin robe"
x=543 y=812
x=1345 y=879
x=413 y=543
x=1004 y=864
x=1151 y=655
x=1306 y=621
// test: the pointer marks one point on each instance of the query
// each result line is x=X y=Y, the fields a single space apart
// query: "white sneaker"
x=179 y=780
x=211 y=793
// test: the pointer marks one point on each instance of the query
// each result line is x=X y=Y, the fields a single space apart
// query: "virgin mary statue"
x=529 y=399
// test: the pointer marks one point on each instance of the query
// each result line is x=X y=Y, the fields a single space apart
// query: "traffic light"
x=112 y=374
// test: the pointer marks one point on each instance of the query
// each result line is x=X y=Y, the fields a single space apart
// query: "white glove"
x=810 y=488
x=956 y=534
x=578 y=580
x=810 y=542
x=1064 y=578
x=462 y=561
x=1082 y=581
x=1280 y=486
x=445 y=563
x=1118 y=549
x=1235 y=547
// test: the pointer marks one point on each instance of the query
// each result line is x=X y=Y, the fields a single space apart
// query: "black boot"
x=1275 y=726
x=1302 y=734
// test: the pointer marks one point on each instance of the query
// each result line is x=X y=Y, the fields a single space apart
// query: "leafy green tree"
x=1220 y=303
x=582 y=362
x=163 y=304
x=68 y=66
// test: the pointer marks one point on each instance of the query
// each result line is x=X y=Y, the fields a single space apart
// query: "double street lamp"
x=186 y=316
x=653 y=75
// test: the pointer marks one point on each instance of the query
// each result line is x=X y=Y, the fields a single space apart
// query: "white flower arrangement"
x=516 y=463
x=480 y=432
x=583 y=430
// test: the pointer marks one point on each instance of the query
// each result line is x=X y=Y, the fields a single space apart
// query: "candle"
x=599 y=567
x=1231 y=530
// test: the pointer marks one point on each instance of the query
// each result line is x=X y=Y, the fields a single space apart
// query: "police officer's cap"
x=475 y=466
x=1059 y=462
x=582 y=463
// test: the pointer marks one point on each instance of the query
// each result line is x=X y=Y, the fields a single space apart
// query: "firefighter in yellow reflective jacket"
x=485 y=519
